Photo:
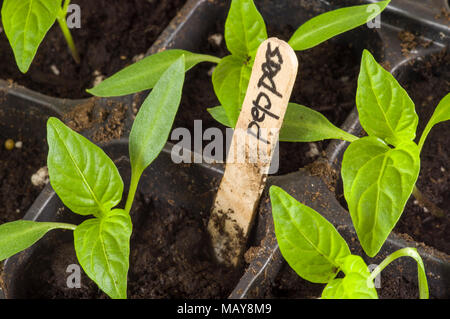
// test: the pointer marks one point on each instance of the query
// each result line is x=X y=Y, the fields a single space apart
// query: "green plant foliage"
x=441 y=114
x=88 y=182
x=245 y=30
x=150 y=129
x=144 y=74
x=301 y=124
x=332 y=23
x=308 y=242
x=83 y=176
x=102 y=246
x=316 y=252
x=26 y=23
x=385 y=109
x=378 y=181
x=21 y=234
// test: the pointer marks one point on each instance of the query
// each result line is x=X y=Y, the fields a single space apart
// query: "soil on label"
x=17 y=193
x=112 y=34
x=427 y=83
x=170 y=258
x=326 y=82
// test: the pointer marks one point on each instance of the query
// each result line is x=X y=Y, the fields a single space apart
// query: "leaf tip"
x=274 y=190
x=52 y=121
x=384 y=4
x=366 y=54
x=23 y=68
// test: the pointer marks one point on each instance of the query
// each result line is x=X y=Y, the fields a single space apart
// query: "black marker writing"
x=262 y=104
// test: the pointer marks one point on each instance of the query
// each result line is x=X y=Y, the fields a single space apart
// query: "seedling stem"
x=66 y=32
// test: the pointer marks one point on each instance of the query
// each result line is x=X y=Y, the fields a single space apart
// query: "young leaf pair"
x=26 y=22
x=245 y=30
x=88 y=183
x=379 y=171
x=317 y=252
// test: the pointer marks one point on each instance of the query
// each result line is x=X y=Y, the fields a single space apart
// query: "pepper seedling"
x=245 y=30
x=26 y=23
x=88 y=183
x=379 y=171
x=315 y=250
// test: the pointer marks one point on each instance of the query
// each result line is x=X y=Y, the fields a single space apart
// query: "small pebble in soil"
x=211 y=71
x=9 y=144
x=98 y=78
x=55 y=70
x=138 y=57
x=215 y=39
x=313 y=150
x=19 y=144
x=40 y=178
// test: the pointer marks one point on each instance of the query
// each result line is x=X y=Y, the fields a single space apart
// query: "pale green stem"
x=132 y=191
x=66 y=32
x=348 y=137
x=65 y=226
x=425 y=133
x=405 y=252
x=212 y=59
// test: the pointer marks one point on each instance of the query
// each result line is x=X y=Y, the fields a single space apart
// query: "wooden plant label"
x=254 y=140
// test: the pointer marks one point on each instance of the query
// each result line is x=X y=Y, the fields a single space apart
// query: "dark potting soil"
x=112 y=34
x=326 y=82
x=17 y=193
x=170 y=258
x=427 y=84
x=104 y=120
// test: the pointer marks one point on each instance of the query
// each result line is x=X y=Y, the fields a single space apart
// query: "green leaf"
x=154 y=121
x=352 y=286
x=245 y=29
x=378 y=180
x=332 y=23
x=353 y=263
x=102 y=246
x=302 y=124
x=26 y=23
x=385 y=109
x=83 y=176
x=357 y=283
x=219 y=114
x=19 y=235
x=308 y=242
x=230 y=80
x=441 y=114
x=144 y=74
